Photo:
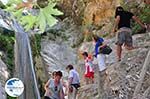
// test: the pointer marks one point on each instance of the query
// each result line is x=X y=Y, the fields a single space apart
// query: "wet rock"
x=3 y=77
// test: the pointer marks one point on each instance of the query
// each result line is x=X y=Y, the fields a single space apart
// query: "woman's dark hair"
x=58 y=73
x=85 y=54
x=69 y=67
x=118 y=10
x=95 y=37
x=54 y=73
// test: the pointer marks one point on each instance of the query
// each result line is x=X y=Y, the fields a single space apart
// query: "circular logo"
x=14 y=87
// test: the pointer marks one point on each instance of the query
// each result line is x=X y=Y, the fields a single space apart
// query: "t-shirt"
x=125 y=18
x=74 y=74
x=53 y=91
x=98 y=43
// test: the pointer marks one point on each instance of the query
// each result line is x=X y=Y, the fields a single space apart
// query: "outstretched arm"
x=103 y=44
x=138 y=21
x=46 y=85
x=117 y=20
x=70 y=80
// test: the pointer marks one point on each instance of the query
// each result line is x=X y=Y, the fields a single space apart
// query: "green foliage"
x=40 y=20
x=36 y=44
x=7 y=44
x=141 y=11
x=28 y=21
x=144 y=15
x=10 y=2
x=1 y=5
x=8 y=97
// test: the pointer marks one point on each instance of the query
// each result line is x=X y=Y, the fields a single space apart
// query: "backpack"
x=105 y=50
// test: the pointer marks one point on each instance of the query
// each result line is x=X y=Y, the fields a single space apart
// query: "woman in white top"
x=54 y=88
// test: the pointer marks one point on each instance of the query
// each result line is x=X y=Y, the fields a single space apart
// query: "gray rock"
x=3 y=77
x=58 y=55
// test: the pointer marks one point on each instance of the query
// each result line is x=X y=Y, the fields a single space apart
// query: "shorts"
x=76 y=86
x=89 y=75
x=124 y=37
x=46 y=97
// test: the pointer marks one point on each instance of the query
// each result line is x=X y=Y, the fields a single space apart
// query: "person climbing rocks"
x=122 y=23
x=53 y=74
x=62 y=82
x=73 y=82
x=89 y=72
x=101 y=59
x=54 y=88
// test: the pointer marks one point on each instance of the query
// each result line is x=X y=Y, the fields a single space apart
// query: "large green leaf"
x=41 y=21
x=44 y=18
x=18 y=13
x=50 y=20
x=28 y=21
x=51 y=10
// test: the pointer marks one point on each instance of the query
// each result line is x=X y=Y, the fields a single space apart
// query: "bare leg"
x=130 y=47
x=74 y=93
x=119 y=50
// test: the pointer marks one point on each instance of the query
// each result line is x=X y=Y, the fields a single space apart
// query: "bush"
x=144 y=15
x=141 y=11
x=7 y=46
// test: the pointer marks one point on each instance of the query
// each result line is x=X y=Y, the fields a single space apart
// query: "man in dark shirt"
x=122 y=22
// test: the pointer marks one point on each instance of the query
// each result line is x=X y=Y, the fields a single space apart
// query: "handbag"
x=105 y=50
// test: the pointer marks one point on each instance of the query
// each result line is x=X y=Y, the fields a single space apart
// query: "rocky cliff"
x=123 y=76
x=3 y=77
x=88 y=13
x=59 y=50
x=63 y=44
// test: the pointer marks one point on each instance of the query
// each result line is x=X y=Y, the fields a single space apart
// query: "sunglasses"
x=56 y=88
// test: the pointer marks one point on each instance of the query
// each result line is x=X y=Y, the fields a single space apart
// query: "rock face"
x=59 y=53
x=90 y=13
x=93 y=10
x=57 y=56
x=3 y=77
x=123 y=76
